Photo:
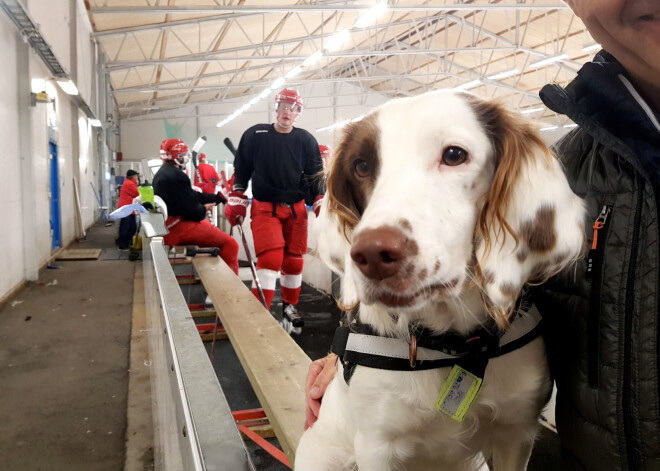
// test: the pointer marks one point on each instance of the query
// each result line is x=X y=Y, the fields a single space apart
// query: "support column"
x=28 y=198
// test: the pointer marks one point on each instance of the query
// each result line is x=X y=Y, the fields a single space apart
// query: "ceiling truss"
x=166 y=58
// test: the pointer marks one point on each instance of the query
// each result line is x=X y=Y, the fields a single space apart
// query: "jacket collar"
x=603 y=102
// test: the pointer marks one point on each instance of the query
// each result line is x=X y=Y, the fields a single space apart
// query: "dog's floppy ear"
x=332 y=245
x=531 y=224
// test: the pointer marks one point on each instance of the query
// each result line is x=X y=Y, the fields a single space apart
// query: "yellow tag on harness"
x=458 y=393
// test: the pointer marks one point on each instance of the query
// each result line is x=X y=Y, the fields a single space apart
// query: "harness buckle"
x=412 y=351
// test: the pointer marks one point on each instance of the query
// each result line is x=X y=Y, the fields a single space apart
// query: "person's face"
x=287 y=114
x=629 y=30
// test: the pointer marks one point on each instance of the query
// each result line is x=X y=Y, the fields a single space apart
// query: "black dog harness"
x=360 y=344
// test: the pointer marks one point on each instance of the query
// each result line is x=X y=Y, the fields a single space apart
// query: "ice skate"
x=292 y=322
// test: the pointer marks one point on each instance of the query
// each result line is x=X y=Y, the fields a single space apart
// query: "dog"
x=439 y=209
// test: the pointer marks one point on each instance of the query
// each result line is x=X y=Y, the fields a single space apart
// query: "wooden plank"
x=188 y=281
x=275 y=365
x=196 y=314
x=79 y=254
x=209 y=337
x=264 y=431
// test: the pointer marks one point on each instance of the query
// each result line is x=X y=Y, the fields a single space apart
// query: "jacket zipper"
x=627 y=349
x=595 y=271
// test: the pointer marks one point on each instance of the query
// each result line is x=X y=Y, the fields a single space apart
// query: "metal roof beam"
x=315 y=8
x=266 y=83
x=335 y=55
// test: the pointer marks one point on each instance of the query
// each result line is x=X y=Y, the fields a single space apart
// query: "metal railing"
x=193 y=426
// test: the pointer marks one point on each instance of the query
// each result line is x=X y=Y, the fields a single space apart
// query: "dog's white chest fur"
x=392 y=414
x=439 y=209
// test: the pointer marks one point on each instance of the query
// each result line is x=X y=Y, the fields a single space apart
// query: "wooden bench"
x=275 y=365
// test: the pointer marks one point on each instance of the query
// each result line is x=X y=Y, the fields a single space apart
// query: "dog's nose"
x=379 y=253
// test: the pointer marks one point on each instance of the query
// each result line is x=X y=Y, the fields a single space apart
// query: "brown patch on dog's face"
x=436 y=267
x=521 y=255
x=354 y=171
x=540 y=232
x=405 y=225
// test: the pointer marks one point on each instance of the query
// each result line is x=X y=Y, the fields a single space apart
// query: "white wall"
x=141 y=138
x=76 y=140
x=40 y=155
x=11 y=248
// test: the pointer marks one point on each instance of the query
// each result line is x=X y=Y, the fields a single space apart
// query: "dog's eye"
x=361 y=168
x=453 y=156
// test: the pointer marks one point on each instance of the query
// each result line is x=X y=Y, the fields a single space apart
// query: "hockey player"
x=206 y=177
x=283 y=163
x=127 y=225
x=187 y=208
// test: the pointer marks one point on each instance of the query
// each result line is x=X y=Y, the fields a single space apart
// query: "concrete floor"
x=64 y=361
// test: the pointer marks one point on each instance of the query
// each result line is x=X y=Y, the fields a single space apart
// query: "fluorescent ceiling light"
x=265 y=93
x=549 y=60
x=549 y=128
x=254 y=101
x=68 y=87
x=505 y=74
x=293 y=72
x=277 y=83
x=337 y=40
x=593 y=47
x=532 y=110
x=95 y=122
x=465 y=86
x=311 y=60
x=570 y=125
x=371 y=15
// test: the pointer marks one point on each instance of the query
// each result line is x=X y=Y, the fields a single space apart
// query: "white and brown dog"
x=439 y=209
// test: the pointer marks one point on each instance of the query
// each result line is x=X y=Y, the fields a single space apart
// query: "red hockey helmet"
x=287 y=95
x=176 y=150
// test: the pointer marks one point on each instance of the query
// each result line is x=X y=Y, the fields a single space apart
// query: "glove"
x=236 y=206
x=316 y=207
x=222 y=197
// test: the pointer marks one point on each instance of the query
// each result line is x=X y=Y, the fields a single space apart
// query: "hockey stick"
x=195 y=149
x=230 y=146
x=239 y=219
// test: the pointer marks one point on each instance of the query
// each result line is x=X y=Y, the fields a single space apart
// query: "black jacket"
x=171 y=184
x=284 y=167
x=603 y=337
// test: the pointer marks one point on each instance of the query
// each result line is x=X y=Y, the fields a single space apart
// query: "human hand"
x=209 y=206
x=236 y=206
x=319 y=375
x=316 y=207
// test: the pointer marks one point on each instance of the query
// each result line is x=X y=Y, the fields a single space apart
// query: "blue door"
x=54 y=197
